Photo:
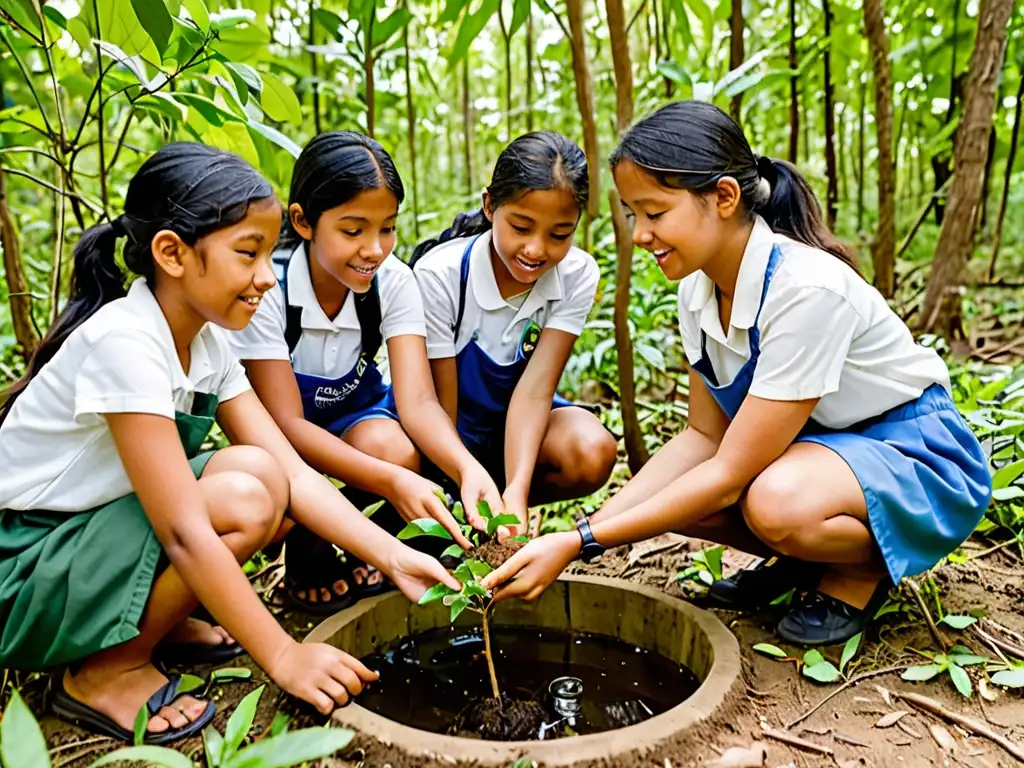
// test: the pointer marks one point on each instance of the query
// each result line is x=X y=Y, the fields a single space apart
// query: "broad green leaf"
x=922 y=672
x=24 y=15
x=462 y=573
x=961 y=680
x=470 y=30
x=452 y=11
x=712 y=558
x=520 y=11
x=387 y=28
x=155 y=20
x=275 y=136
x=745 y=69
x=197 y=10
x=190 y=683
x=473 y=589
x=163 y=104
x=824 y=672
x=55 y=16
x=449 y=600
x=230 y=673
x=368 y=512
x=292 y=748
x=484 y=510
x=1008 y=494
x=424 y=526
x=117 y=25
x=134 y=63
x=478 y=568
x=966 y=659
x=140 y=726
x=1007 y=474
x=280 y=723
x=459 y=513
x=453 y=551
x=703 y=12
x=213 y=746
x=229 y=19
x=458 y=607
x=849 y=651
x=279 y=102
x=21 y=741
x=496 y=522
x=435 y=593
x=240 y=723
x=247 y=43
x=813 y=657
x=520 y=539
x=771 y=650
x=674 y=72
x=1011 y=678
x=958 y=622
x=247 y=74
x=329 y=21
x=212 y=112
x=149 y=755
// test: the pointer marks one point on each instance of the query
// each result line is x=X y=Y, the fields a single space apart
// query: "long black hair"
x=188 y=188
x=332 y=169
x=692 y=144
x=537 y=160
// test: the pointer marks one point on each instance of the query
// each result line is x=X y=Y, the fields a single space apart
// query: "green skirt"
x=74 y=584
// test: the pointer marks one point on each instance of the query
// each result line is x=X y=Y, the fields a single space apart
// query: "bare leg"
x=246 y=495
x=576 y=457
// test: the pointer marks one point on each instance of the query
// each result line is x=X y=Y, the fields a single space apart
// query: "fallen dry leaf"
x=908 y=729
x=891 y=719
x=986 y=693
x=817 y=731
x=943 y=738
x=741 y=757
x=885 y=694
x=841 y=737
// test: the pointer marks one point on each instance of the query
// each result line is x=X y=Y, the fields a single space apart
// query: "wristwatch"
x=591 y=550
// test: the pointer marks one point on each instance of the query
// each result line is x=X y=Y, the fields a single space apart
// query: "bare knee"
x=773 y=508
x=258 y=463
x=589 y=460
x=246 y=515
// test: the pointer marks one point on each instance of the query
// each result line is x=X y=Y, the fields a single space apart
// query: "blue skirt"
x=383 y=407
x=925 y=478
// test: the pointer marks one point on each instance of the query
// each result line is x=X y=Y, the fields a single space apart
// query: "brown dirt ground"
x=775 y=694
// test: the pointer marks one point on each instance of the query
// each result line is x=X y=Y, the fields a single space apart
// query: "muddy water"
x=429 y=681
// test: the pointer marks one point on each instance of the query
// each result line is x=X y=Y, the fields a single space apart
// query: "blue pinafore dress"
x=486 y=387
x=925 y=477
x=338 y=404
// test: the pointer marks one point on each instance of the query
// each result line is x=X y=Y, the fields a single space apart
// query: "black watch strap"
x=590 y=550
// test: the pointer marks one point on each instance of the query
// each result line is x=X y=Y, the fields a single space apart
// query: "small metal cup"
x=566 y=696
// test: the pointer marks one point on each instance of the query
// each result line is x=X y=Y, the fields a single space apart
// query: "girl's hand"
x=414 y=572
x=322 y=675
x=416 y=497
x=515 y=504
x=533 y=568
x=477 y=486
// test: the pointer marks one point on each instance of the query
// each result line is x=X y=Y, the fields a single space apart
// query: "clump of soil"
x=495 y=552
x=511 y=721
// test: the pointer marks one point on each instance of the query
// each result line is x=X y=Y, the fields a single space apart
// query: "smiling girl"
x=310 y=353
x=506 y=294
x=820 y=435
x=113 y=521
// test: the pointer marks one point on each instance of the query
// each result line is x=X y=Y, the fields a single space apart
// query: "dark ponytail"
x=537 y=160
x=692 y=144
x=190 y=189
x=334 y=168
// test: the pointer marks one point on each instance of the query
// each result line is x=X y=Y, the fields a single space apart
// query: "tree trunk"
x=315 y=90
x=585 y=101
x=621 y=63
x=368 y=75
x=18 y=292
x=1014 y=139
x=736 y=54
x=883 y=247
x=987 y=181
x=507 y=44
x=861 y=181
x=844 y=169
x=529 y=70
x=794 y=105
x=410 y=114
x=942 y=311
x=467 y=126
x=942 y=164
x=832 y=196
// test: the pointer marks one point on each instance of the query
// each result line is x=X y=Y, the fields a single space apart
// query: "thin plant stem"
x=489 y=657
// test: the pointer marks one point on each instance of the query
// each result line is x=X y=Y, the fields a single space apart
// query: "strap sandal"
x=755 y=588
x=74 y=711
x=312 y=566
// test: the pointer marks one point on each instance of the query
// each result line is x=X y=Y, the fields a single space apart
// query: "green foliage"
x=952 y=663
x=707 y=566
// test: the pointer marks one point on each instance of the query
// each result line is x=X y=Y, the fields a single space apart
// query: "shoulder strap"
x=369 y=314
x=292 y=315
x=463 y=281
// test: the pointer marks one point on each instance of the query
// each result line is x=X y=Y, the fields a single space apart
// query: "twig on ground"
x=78 y=744
x=995 y=642
x=79 y=755
x=916 y=591
x=974 y=726
x=992 y=624
x=990 y=550
x=851 y=682
x=796 y=741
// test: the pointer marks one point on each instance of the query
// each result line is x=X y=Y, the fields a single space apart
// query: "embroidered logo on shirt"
x=325 y=397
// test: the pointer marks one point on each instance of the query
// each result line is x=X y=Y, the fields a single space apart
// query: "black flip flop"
x=187 y=654
x=73 y=710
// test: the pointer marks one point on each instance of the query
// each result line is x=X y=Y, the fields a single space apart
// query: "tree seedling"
x=469 y=572
x=813 y=664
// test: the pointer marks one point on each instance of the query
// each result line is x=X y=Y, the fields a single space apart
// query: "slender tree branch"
x=58 y=250
x=28 y=150
x=88 y=103
x=53 y=81
x=70 y=195
x=636 y=15
x=28 y=81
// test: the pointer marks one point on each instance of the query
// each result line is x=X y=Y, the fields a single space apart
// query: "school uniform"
x=333 y=358
x=804 y=325
x=77 y=553
x=491 y=338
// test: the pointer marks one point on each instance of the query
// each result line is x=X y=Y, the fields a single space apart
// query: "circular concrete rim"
x=724 y=672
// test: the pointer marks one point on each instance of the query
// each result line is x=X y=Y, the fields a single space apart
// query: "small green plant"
x=707 y=566
x=22 y=744
x=813 y=664
x=952 y=663
x=469 y=572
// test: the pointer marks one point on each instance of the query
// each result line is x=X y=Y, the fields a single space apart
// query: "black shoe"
x=757 y=587
x=824 y=620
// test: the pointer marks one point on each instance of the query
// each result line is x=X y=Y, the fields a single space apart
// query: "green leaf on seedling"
x=473 y=589
x=435 y=593
x=213 y=745
x=958 y=622
x=460 y=514
x=922 y=672
x=424 y=527
x=21 y=740
x=240 y=723
x=712 y=558
x=450 y=599
x=190 y=683
x=823 y=672
x=497 y=521
x=961 y=680
x=453 y=551
x=458 y=607
x=785 y=599
x=1011 y=678
x=139 y=730
x=484 y=510
x=849 y=651
x=966 y=658
x=813 y=657
x=478 y=568
x=149 y=755
x=230 y=673
x=770 y=650
x=280 y=723
x=368 y=512
x=292 y=748
x=889 y=607
x=520 y=539
x=442 y=496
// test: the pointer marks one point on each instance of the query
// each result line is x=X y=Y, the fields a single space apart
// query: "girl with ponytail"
x=821 y=437
x=114 y=522
x=505 y=295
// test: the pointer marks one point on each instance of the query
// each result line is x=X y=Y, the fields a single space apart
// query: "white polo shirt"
x=328 y=347
x=825 y=333
x=561 y=299
x=56 y=449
